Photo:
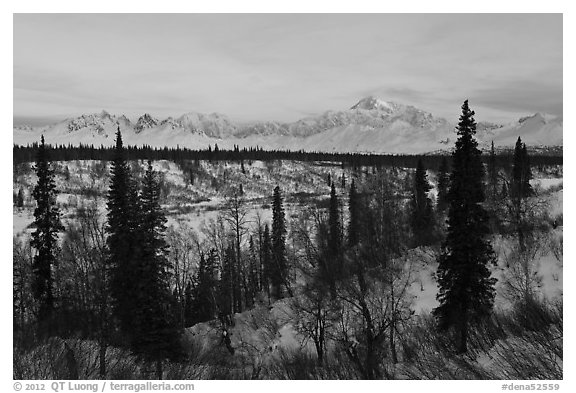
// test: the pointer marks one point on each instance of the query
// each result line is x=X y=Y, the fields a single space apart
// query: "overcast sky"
x=285 y=66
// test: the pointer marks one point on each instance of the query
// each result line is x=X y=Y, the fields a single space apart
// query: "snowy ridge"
x=371 y=125
x=213 y=125
x=536 y=130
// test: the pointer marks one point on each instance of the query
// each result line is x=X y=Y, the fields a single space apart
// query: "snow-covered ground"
x=81 y=182
x=266 y=329
x=546 y=183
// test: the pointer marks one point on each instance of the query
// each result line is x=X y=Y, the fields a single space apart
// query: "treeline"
x=432 y=161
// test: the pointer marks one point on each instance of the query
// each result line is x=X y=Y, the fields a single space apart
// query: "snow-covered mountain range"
x=371 y=125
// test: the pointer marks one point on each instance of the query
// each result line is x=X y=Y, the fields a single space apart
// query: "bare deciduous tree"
x=83 y=273
x=185 y=249
x=235 y=214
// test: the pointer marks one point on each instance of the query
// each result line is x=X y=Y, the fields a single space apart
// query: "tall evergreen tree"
x=354 y=217
x=421 y=207
x=335 y=228
x=279 y=270
x=266 y=251
x=493 y=191
x=466 y=290
x=123 y=244
x=521 y=172
x=527 y=172
x=443 y=184
x=329 y=240
x=520 y=189
x=492 y=175
x=155 y=334
x=254 y=274
x=45 y=236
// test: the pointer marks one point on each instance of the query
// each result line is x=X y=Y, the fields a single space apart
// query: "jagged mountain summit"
x=374 y=103
x=145 y=121
x=370 y=125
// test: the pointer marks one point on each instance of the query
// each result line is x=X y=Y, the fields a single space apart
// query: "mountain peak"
x=104 y=114
x=372 y=103
x=145 y=121
x=147 y=116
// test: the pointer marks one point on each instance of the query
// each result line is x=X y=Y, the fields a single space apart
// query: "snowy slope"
x=371 y=125
x=213 y=125
x=537 y=130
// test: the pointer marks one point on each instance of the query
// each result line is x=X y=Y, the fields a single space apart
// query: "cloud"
x=521 y=96
x=278 y=67
x=40 y=79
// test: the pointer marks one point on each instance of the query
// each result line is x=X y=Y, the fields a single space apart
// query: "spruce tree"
x=466 y=290
x=520 y=190
x=526 y=173
x=421 y=207
x=492 y=175
x=267 y=270
x=335 y=228
x=443 y=184
x=254 y=274
x=155 y=334
x=123 y=243
x=329 y=241
x=354 y=217
x=521 y=172
x=45 y=236
x=279 y=274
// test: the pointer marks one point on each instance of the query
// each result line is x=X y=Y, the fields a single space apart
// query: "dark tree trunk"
x=392 y=344
x=103 y=358
x=370 y=361
x=159 y=369
x=371 y=367
x=319 y=350
x=463 y=347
